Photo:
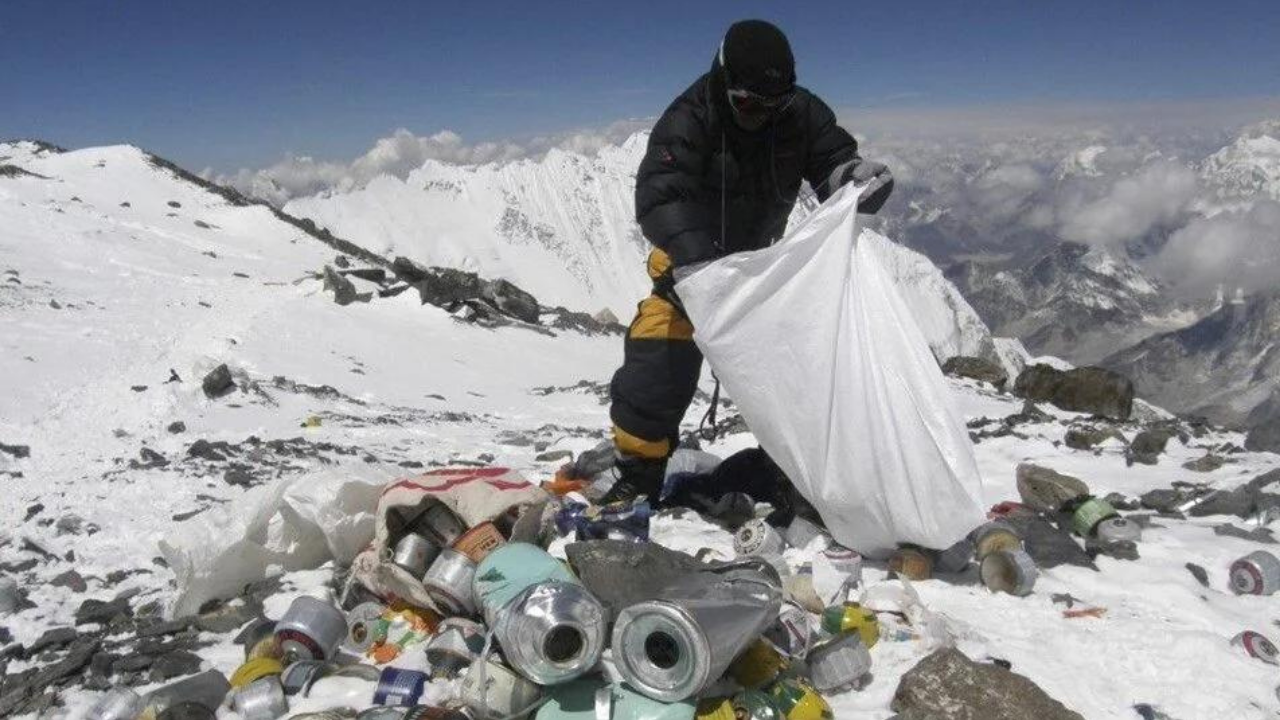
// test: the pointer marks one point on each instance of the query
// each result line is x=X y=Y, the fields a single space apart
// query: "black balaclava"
x=756 y=56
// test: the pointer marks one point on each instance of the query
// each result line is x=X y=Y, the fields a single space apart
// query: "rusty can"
x=911 y=563
x=993 y=536
x=758 y=665
x=1009 y=571
x=839 y=664
x=852 y=617
x=449 y=582
x=1258 y=646
x=479 y=541
x=311 y=629
x=261 y=699
x=758 y=537
x=792 y=633
x=414 y=553
x=259 y=640
x=440 y=524
x=1257 y=573
x=255 y=669
x=797 y=700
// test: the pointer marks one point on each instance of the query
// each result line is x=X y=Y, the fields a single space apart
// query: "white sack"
x=293 y=524
x=831 y=373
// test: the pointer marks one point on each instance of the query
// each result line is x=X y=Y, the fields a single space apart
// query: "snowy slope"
x=1246 y=170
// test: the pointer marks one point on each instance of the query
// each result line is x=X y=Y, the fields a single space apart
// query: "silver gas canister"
x=1118 y=529
x=117 y=704
x=365 y=627
x=449 y=582
x=456 y=644
x=839 y=664
x=440 y=524
x=793 y=632
x=993 y=536
x=672 y=649
x=758 y=537
x=1258 y=646
x=414 y=553
x=801 y=532
x=1009 y=571
x=262 y=699
x=1257 y=573
x=846 y=562
x=491 y=691
x=311 y=629
x=552 y=632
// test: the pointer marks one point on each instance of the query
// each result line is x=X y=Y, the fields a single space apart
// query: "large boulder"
x=1264 y=437
x=1088 y=389
x=511 y=300
x=976 y=368
x=946 y=685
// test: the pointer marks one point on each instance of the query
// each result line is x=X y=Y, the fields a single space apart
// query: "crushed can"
x=1258 y=646
x=1009 y=571
x=758 y=665
x=299 y=676
x=797 y=700
x=491 y=691
x=365 y=627
x=479 y=541
x=846 y=562
x=255 y=669
x=414 y=553
x=397 y=686
x=753 y=704
x=260 y=700
x=852 y=617
x=673 y=648
x=1118 y=529
x=801 y=532
x=117 y=704
x=550 y=627
x=456 y=644
x=440 y=524
x=1257 y=573
x=759 y=538
x=792 y=633
x=449 y=582
x=626 y=520
x=955 y=558
x=186 y=710
x=1089 y=513
x=259 y=640
x=912 y=563
x=993 y=536
x=311 y=629
x=207 y=689
x=839 y=664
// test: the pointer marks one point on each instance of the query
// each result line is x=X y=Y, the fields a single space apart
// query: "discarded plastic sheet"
x=867 y=432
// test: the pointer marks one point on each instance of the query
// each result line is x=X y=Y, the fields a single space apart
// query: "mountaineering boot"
x=636 y=477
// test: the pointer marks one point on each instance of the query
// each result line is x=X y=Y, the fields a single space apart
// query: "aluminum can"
x=801 y=532
x=365 y=627
x=479 y=541
x=1009 y=571
x=259 y=640
x=299 y=675
x=397 y=686
x=440 y=525
x=1085 y=518
x=1118 y=529
x=186 y=710
x=845 y=561
x=553 y=632
x=311 y=629
x=117 y=704
x=449 y=582
x=797 y=700
x=492 y=691
x=758 y=537
x=672 y=649
x=509 y=571
x=851 y=617
x=255 y=669
x=456 y=644
x=993 y=536
x=208 y=689
x=414 y=553
x=759 y=664
x=1257 y=573
x=911 y=563
x=1258 y=646
x=260 y=700
x=839 y=663
x=792 y=633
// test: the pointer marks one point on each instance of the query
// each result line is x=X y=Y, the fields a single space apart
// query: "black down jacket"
x=696 y=151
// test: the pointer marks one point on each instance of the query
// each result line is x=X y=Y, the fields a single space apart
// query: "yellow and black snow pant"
x=659 y=375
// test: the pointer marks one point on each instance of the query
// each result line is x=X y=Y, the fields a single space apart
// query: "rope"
x=707 y=427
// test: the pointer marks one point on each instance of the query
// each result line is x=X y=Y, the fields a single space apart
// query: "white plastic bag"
x=831 y=373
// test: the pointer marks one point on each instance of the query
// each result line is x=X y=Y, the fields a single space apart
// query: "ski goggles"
x=745 y=101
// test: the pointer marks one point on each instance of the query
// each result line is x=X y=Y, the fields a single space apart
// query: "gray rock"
x=97 y=611
x=976 y=368
x=1048 y=546
x=1085 y=438
x=1199 y=573
x=1259 y=535
x=511 y=300
x=53 y=639
x=1264 y=437
x=1121 y=502
x=238 y=477
x=174 y=664
x=1239 y=502
x=1163 y=500
x=344 y=291
x=947 y=685
x=133 y=663
x=408 y=270
x=100 y=665
x=1208 y=463
x=17 y=451
x=554 y=455
x=69 y=524
x=1120 y=549
x=590 y=463
x=177 y=427
x=1047 y=490
x=218 y=382
x=1264 y=481
x=1149 y=445
x=228 y=617
x=16 y=695
x=1088 y=389
x=342 y=262
x=71 y=580
x=373 y=274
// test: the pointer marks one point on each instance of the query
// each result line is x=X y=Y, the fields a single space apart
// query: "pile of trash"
x=483 y=596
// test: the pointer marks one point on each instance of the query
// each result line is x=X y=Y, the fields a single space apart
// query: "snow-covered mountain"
x=1223 y=366
x=1247 y=169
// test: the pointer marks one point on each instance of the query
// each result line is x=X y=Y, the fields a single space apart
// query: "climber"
x=721 y=174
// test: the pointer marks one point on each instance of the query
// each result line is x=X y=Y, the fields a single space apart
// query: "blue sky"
x=232 y=84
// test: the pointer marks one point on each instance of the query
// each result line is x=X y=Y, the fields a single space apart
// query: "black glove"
x=875 y=178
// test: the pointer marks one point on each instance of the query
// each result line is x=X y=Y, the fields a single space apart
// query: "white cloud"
x=1235 y=249
x=1156 y=195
